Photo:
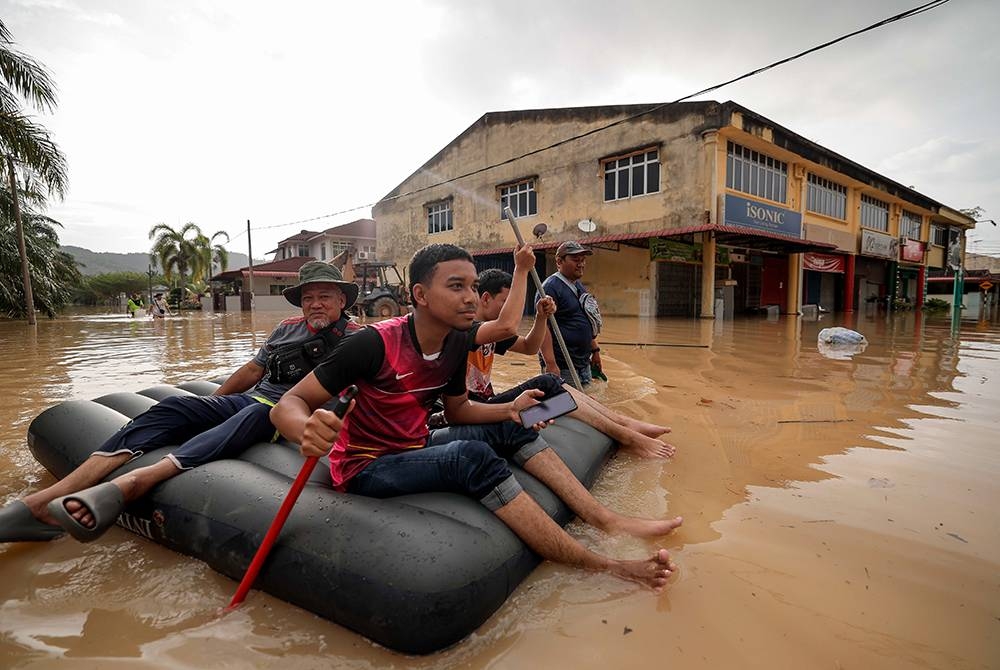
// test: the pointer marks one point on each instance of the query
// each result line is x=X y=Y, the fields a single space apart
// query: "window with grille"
x=755 y=173
x=635 y=174
x=520 y=197
x=826 y=197
x=874 y=214
x=303 y=250
x=909 y=225
x=939 y=235
x=439 y=217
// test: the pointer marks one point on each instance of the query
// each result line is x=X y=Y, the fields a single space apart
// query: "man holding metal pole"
x=570 y=374
x=581 y=353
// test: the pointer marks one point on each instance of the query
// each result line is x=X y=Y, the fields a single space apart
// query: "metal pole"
x=509 y=213
x=29 y=298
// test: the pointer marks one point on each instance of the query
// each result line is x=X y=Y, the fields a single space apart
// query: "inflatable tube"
x=413 y=573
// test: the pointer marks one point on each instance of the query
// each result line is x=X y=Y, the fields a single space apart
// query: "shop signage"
x=879 y=245
x=661 y=249
x=823 y=262
x=913 y=250
x=761 y=216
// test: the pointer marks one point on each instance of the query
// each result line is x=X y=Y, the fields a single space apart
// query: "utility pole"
x=29 y=298
x=250 y=255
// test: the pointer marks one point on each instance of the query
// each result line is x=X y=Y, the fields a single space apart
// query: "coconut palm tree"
x=54 y=274
x=176 y=250
x=26 y=147
x=25 y=80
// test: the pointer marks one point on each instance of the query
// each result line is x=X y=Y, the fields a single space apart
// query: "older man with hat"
x=576 y=314
x=207 y=428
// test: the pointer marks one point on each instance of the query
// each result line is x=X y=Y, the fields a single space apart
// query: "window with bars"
x=755 y=173
x=874 y=214
x=439 y=217
x=939 y=235
x=303 y=250
x=521 y=198
x=826 y=197
x=632 y=175
x=909 y=225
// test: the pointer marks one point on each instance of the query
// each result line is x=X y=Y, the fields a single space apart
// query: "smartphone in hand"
x=550 y=408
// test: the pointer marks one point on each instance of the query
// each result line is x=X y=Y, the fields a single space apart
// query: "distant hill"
x=101 y=262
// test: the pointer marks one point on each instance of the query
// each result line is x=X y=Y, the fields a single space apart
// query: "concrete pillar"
x=849 y=284
x=708 y=275
x=793 y=299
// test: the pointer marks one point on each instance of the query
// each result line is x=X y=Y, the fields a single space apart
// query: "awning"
x=730 y=236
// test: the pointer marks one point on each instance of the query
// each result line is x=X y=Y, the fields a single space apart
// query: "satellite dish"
x=587 y=226
x=539 y=230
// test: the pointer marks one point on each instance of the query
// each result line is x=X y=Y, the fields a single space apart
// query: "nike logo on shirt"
x=400 y=376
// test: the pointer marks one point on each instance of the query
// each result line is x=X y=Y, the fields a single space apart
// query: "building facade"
x=690 y=208
x=357 y=236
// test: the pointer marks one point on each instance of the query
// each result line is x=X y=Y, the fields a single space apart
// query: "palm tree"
x=218 y=253
x=53 y=273
x=25 y=145
x=175 y=251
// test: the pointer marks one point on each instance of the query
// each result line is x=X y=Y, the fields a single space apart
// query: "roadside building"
x=690 y=208
x=358 y=236
x=231 y=289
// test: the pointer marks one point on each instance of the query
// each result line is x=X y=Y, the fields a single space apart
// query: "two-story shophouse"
x=688 y=207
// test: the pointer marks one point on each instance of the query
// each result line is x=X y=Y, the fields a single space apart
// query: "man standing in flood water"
x=212 y=427
x=572 y=306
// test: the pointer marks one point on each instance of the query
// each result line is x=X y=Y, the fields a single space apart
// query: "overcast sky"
x=217 y=112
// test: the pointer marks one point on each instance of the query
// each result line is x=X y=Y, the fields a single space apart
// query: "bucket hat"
x=318 y=272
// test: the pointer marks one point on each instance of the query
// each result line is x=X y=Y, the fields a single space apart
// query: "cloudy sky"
x=218 y=111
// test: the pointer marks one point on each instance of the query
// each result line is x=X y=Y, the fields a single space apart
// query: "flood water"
x=839 y=513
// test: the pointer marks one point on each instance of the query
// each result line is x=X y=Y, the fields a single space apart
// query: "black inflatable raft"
x=414 y=573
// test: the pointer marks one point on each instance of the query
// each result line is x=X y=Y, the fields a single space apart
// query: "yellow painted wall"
x=570 y=187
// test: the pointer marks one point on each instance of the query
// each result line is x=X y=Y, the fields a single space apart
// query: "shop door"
x=678 y=289
x=774 y=281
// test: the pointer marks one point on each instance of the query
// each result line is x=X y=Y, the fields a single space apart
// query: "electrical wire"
x=934 y=4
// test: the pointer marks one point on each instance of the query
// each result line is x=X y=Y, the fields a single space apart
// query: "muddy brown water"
x=838 y=513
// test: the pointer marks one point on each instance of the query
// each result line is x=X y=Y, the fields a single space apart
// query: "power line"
x=934 y=4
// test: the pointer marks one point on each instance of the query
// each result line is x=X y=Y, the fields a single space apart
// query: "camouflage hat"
x=318 y=272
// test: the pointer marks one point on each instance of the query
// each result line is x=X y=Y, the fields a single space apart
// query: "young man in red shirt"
x=383 y=448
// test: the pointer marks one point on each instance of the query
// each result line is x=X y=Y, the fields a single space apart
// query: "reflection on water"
x=837 y=511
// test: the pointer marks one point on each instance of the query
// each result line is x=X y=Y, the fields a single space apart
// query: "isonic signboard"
x=761 y=216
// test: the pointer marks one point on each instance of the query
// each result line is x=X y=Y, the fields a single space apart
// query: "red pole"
x=286 y=508
x=849 y=284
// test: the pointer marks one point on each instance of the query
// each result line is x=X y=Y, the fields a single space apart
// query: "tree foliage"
x=187 y=252
x=54 y=273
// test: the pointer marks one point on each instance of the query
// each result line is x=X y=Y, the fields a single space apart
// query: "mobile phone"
x=550 y=408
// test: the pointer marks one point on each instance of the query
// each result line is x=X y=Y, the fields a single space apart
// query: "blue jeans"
x=209 y=427
x=470 y=460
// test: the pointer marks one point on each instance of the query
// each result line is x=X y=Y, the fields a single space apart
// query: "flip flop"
x=18 y=525
x=104 y=501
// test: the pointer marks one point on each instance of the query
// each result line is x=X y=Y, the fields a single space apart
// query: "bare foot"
x=647 y=429
x=647 y=447
x=619 y=524
x=652 y=572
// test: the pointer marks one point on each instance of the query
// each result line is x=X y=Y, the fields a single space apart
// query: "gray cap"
x=572 y=248
x=318 y=272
